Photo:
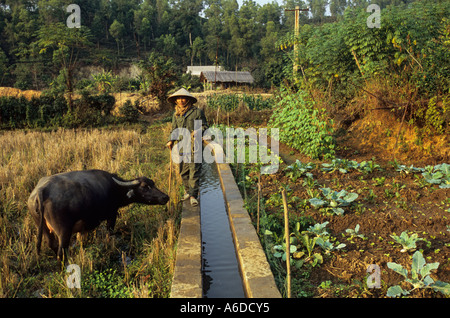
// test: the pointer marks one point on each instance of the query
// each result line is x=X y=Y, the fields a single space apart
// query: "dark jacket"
x=187 y=121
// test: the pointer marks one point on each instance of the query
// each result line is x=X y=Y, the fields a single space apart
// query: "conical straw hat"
x=181 y=92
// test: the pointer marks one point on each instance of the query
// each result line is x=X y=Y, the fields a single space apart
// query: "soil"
x=400 y=203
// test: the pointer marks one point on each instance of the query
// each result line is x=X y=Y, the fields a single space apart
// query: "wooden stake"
x=243 y=182
x=259 y=198
x=169 y=206
x=357 y=62
x=288 y=248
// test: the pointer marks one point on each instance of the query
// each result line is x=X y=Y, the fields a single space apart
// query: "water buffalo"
x=78 y=201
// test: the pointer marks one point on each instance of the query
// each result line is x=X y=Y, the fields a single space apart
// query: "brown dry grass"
x=15 y=92
x=147 y=234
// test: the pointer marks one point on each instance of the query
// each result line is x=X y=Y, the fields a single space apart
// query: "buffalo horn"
x=126 y=183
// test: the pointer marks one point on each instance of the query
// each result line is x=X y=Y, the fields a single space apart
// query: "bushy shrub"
x=19 y=112
x=89 y=111
x=103 y=102
x=53 y=111
x=129 y=111
x=302 y=126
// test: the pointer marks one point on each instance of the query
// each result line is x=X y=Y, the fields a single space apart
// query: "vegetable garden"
x=345 y=216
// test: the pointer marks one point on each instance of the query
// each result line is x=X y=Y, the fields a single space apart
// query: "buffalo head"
x=143 y=190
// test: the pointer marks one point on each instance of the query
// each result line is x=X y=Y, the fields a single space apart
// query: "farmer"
x=184 y=116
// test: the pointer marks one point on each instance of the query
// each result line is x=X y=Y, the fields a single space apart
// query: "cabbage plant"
x=333 y=200
x=439 y=174
x=408 y=242
x=420 y=277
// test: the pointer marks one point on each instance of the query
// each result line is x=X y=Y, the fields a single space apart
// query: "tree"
x=318 y=8
x=19 y=26
x=160 y=73
x=271 y=66
x=66 y=45
x=168 y=46
x=337 y=7
x=197 y=50
x=145 y=24
x=117 y=31
x=3 y=66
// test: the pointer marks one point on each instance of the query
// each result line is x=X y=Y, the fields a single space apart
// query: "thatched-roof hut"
x=196 y=70
x=226 y=78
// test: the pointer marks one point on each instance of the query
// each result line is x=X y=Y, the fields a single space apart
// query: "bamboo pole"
x=288 y=248
x=243 y=182
x=169 y=205
x=357 y=62
x=259 y=198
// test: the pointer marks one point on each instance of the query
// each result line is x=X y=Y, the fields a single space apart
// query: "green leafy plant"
x=104 y=81
x=408 y=242
x=280 y=251
x=129 y=112
x=434 y=178
x=368 y=166
x=106 y=284
x=420 y=277
x=309 y=243
x=227 y=102
x=298 y=255
x=379 y=181
x=159 y=71
x=43 y=111
x=326 y=284
x=303 y=126
x=355 y=233
x=319 y=229
x=275 y=200
x=299 y=169
x=333 y=200
x=410 y=169
x=257 y=102
x=439 y=174
x=341 y=165
x=327 y=245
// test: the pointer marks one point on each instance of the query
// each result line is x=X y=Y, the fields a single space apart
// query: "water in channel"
x=220 y=269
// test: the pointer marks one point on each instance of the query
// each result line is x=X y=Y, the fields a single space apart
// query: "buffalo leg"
x=52 y=241
x=64 y=241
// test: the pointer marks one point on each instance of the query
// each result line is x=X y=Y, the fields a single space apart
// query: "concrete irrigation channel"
x=219 y=254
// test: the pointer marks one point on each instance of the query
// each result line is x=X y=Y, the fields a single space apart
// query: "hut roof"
x=196 y=70
x=227 y=77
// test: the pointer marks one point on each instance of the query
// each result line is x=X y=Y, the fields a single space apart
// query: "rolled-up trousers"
x=190 y=171
x=190 y=174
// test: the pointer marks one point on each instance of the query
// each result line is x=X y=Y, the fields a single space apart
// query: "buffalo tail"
x=40 y=212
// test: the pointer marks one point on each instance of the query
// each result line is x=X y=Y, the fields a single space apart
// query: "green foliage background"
x=412 y=42
x=303 y=126
x=338 y=54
